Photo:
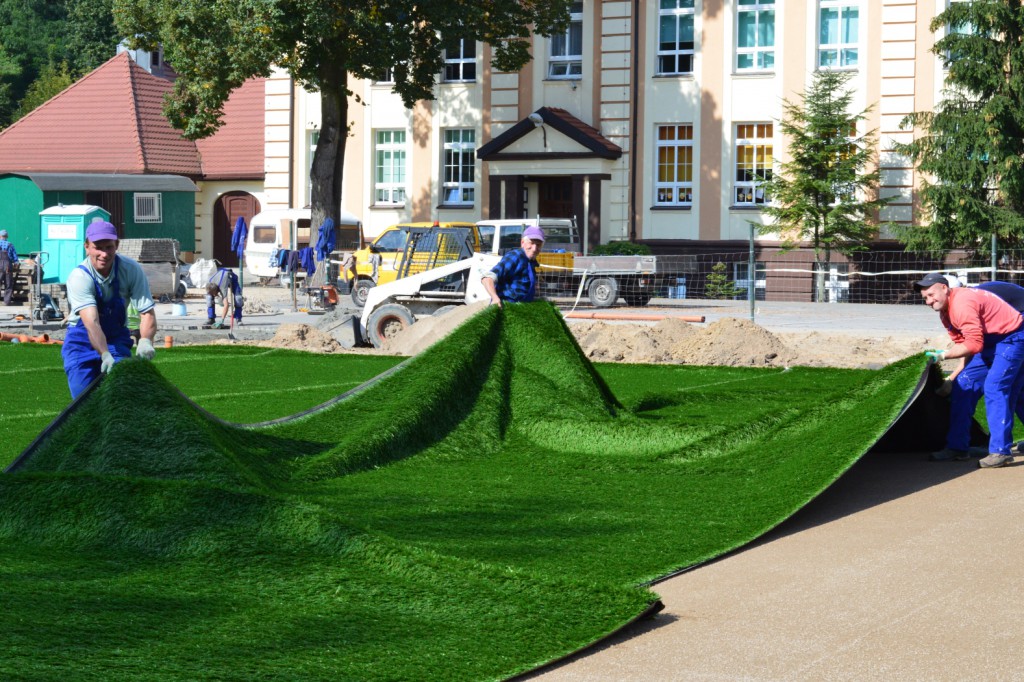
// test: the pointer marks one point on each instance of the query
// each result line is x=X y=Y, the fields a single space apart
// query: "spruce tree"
x=970 y=147
x=827 y=193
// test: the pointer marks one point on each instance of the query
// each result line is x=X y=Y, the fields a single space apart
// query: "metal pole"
x=751 y=274
x=994 y=278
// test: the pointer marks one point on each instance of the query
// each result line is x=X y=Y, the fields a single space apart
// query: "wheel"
x=361 y=290
x=603 y=291
x=444 y=309
x=181 y=290
x=637 y=300
x=386 y=322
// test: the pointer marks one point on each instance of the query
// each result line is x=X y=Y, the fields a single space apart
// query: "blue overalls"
x=81 y=361
x=996 y=372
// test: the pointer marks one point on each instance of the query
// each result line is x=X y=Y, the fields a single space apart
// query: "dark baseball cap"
x=930 y=279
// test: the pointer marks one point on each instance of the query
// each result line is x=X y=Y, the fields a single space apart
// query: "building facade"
x=652 y=121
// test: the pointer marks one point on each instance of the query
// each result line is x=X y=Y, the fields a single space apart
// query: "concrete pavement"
x=903 y=570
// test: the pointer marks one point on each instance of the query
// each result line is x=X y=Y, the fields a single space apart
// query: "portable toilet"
x=63 y=237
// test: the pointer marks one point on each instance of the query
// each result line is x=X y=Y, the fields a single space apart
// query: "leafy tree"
x=52 y=80
x=31 y=33
x=827 y=193
x=8 y=69
x=717 y=284
x=90 y=34
x=971 y=146
x=215 y=45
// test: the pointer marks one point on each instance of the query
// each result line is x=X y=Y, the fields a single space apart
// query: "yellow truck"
x=437 y=244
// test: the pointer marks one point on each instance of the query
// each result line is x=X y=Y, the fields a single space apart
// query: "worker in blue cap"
x=8 y=257
x=514 y=278
x=98 y=334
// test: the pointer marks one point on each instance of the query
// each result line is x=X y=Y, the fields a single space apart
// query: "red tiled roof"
x=235 y=151
x=111 y=121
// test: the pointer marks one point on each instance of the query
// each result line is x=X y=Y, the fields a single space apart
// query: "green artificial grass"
x=493 y=504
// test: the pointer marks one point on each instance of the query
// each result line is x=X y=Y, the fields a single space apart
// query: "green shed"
x=62 y=237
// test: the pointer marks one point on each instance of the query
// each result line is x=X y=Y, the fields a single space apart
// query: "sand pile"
x=429 y=330
x=729 y=341
x=303 y=337
x=257 y=306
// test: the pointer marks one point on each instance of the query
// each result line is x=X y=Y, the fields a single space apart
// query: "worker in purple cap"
x=98 y=335
x=514 y=278
x=982 y=324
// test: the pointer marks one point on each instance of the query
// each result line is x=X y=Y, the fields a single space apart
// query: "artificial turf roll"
x=488 y=506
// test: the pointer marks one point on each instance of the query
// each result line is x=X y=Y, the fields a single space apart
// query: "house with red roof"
x=104 y=141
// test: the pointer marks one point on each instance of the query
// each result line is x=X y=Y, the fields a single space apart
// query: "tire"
x=603 y=292
x=387 y=321
x=444 y=309
x=181 y=291
x=637 y=300
x=361 y=290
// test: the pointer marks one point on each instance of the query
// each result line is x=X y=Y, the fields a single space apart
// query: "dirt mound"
x=629 y=342
x=726 y=342
x=429 y=330
x=303 y=337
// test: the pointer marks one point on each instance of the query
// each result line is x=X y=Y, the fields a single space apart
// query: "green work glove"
x=106 y=362
x=936 y=355
x=145 y=349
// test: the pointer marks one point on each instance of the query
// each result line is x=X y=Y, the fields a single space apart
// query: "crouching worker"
x=98 y=334
x=981 y=324
x=224 y=286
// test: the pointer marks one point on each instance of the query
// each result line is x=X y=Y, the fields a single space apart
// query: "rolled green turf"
x=489 y=507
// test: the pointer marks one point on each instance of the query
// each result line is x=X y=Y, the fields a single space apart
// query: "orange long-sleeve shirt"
x=972 y=313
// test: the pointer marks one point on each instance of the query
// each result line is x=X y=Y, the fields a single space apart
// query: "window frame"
x=675 y=146
x=462 y=154
x=841 y=48
x=758 y=51
x=678 y=54
x=155 y=215
x=460 y=64
x=764 y=168
x=390 y=192
x=570 y=64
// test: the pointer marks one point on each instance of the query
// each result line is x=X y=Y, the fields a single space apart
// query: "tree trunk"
x=329 y=159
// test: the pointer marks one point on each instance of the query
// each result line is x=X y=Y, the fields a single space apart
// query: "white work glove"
x=106 y=362
x=145 y=349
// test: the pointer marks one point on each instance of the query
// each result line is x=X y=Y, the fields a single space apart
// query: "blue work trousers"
x=995 y=372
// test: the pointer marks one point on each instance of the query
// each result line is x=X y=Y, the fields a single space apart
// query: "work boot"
x=948 y=455
x=995 y=460
x=209 y=322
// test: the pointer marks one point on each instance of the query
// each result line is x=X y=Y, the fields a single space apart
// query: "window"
x=147 y=207
x=392 y=241
x=675 y=37
x=459 y=159
x=459 y=60
x=386 y=76
x=753 y=162
x=837 y=34
x=389 y=167
x=962 y=28
x=264 y=235
x=741 y=280
x=755 y=35
x=673 y=185
x=566 y=60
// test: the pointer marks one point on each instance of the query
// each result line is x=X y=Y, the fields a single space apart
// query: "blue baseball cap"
x=99 y=230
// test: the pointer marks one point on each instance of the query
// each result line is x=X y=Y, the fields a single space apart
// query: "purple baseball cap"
x=533 y=232
x=99 y=230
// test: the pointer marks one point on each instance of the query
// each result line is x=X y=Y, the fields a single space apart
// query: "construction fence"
x=875 y=276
